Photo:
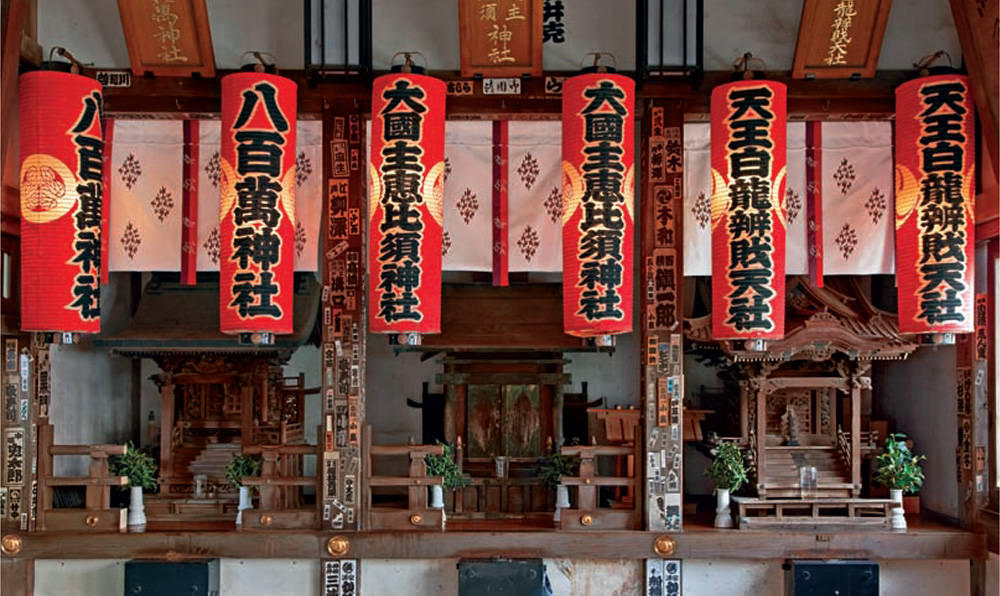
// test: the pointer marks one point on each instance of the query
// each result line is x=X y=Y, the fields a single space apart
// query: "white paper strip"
x=146 y=196
x=468 y=225
x=857 y=198
x=534 y=203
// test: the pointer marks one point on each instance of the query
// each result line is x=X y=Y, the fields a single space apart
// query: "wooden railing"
x=280 y=484
x=587 y=514
x=844 y=443
x=97 y=514
x=416 y=514
x=752 y=455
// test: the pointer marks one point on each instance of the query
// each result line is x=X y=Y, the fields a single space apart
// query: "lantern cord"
x=407 y=60
x=924 y=64
x=597 y=59
x=743 y=64
x=64 y=53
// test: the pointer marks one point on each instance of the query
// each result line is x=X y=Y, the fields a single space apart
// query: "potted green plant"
x=139 y=469
x=554 y=468
x=728 y=471
x=237 y=469
x=898 y=469
x=445 y=466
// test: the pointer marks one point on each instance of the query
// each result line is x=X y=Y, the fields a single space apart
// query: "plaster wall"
x=91 y=30
x=90 y=398
x=918 y=397
x=439 y=577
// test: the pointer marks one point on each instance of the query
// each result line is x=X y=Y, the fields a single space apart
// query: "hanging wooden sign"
x=840 y=39
x=501 y=38
x=406 y=208
x=598 y=114
x=61 y=202
x=257 y=203
x=935 y=181
x=747 y=210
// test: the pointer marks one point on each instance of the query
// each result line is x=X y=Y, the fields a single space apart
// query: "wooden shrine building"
x=455 y=297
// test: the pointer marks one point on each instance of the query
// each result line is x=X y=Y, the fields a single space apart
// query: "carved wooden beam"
x=978 y=26
x=817 y=99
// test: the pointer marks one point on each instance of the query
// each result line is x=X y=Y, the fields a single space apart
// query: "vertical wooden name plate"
x=343 y=320
x=661 y=329
x=168 y=37
x=840 y=39
x=501 y=38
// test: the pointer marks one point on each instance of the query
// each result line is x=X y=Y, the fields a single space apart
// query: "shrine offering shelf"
x=923 y=541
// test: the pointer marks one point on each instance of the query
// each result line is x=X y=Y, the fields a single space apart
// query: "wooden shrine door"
x=507 y=420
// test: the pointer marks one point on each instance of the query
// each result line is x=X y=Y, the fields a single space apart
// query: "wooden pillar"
x=658 y=319
x=418 y=493
x=44 y=470
x=856 y=436
x=343 y=263
x=98 y=496
x=18 y=576
x=758 y=387
x=461 y=394
x=557 y=412
x=450 y=405
x=166 y=429
x=744 y=412
x=246 y=410
x=268 y=471
x=587 y=493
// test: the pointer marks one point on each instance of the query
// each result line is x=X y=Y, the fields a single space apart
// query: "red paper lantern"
x=257 y=203
x=598 y=124
x=748 y=211
x=406 y=208
x=935 y=176
x=61 y=195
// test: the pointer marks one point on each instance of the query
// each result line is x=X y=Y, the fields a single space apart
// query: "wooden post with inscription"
x=343 y=303
x=663 y=173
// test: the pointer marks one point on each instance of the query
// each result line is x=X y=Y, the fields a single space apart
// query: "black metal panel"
x=163 y=578
x=831 y=578
x=516 y=577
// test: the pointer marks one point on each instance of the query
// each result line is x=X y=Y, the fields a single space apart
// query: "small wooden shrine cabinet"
x=217 y=399
x=800 y=400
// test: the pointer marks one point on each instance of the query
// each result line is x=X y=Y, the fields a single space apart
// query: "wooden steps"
x=213 y=459
x=781 y=475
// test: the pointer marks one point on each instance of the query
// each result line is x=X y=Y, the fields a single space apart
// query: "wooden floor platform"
x=842 y=514
x=927 y=538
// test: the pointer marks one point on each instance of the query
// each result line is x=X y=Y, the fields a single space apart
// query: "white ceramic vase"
x=136 y=509
x=723 y=515
x=244 y=504
x=437 y=496
x=898 y=519
x=562 y=497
